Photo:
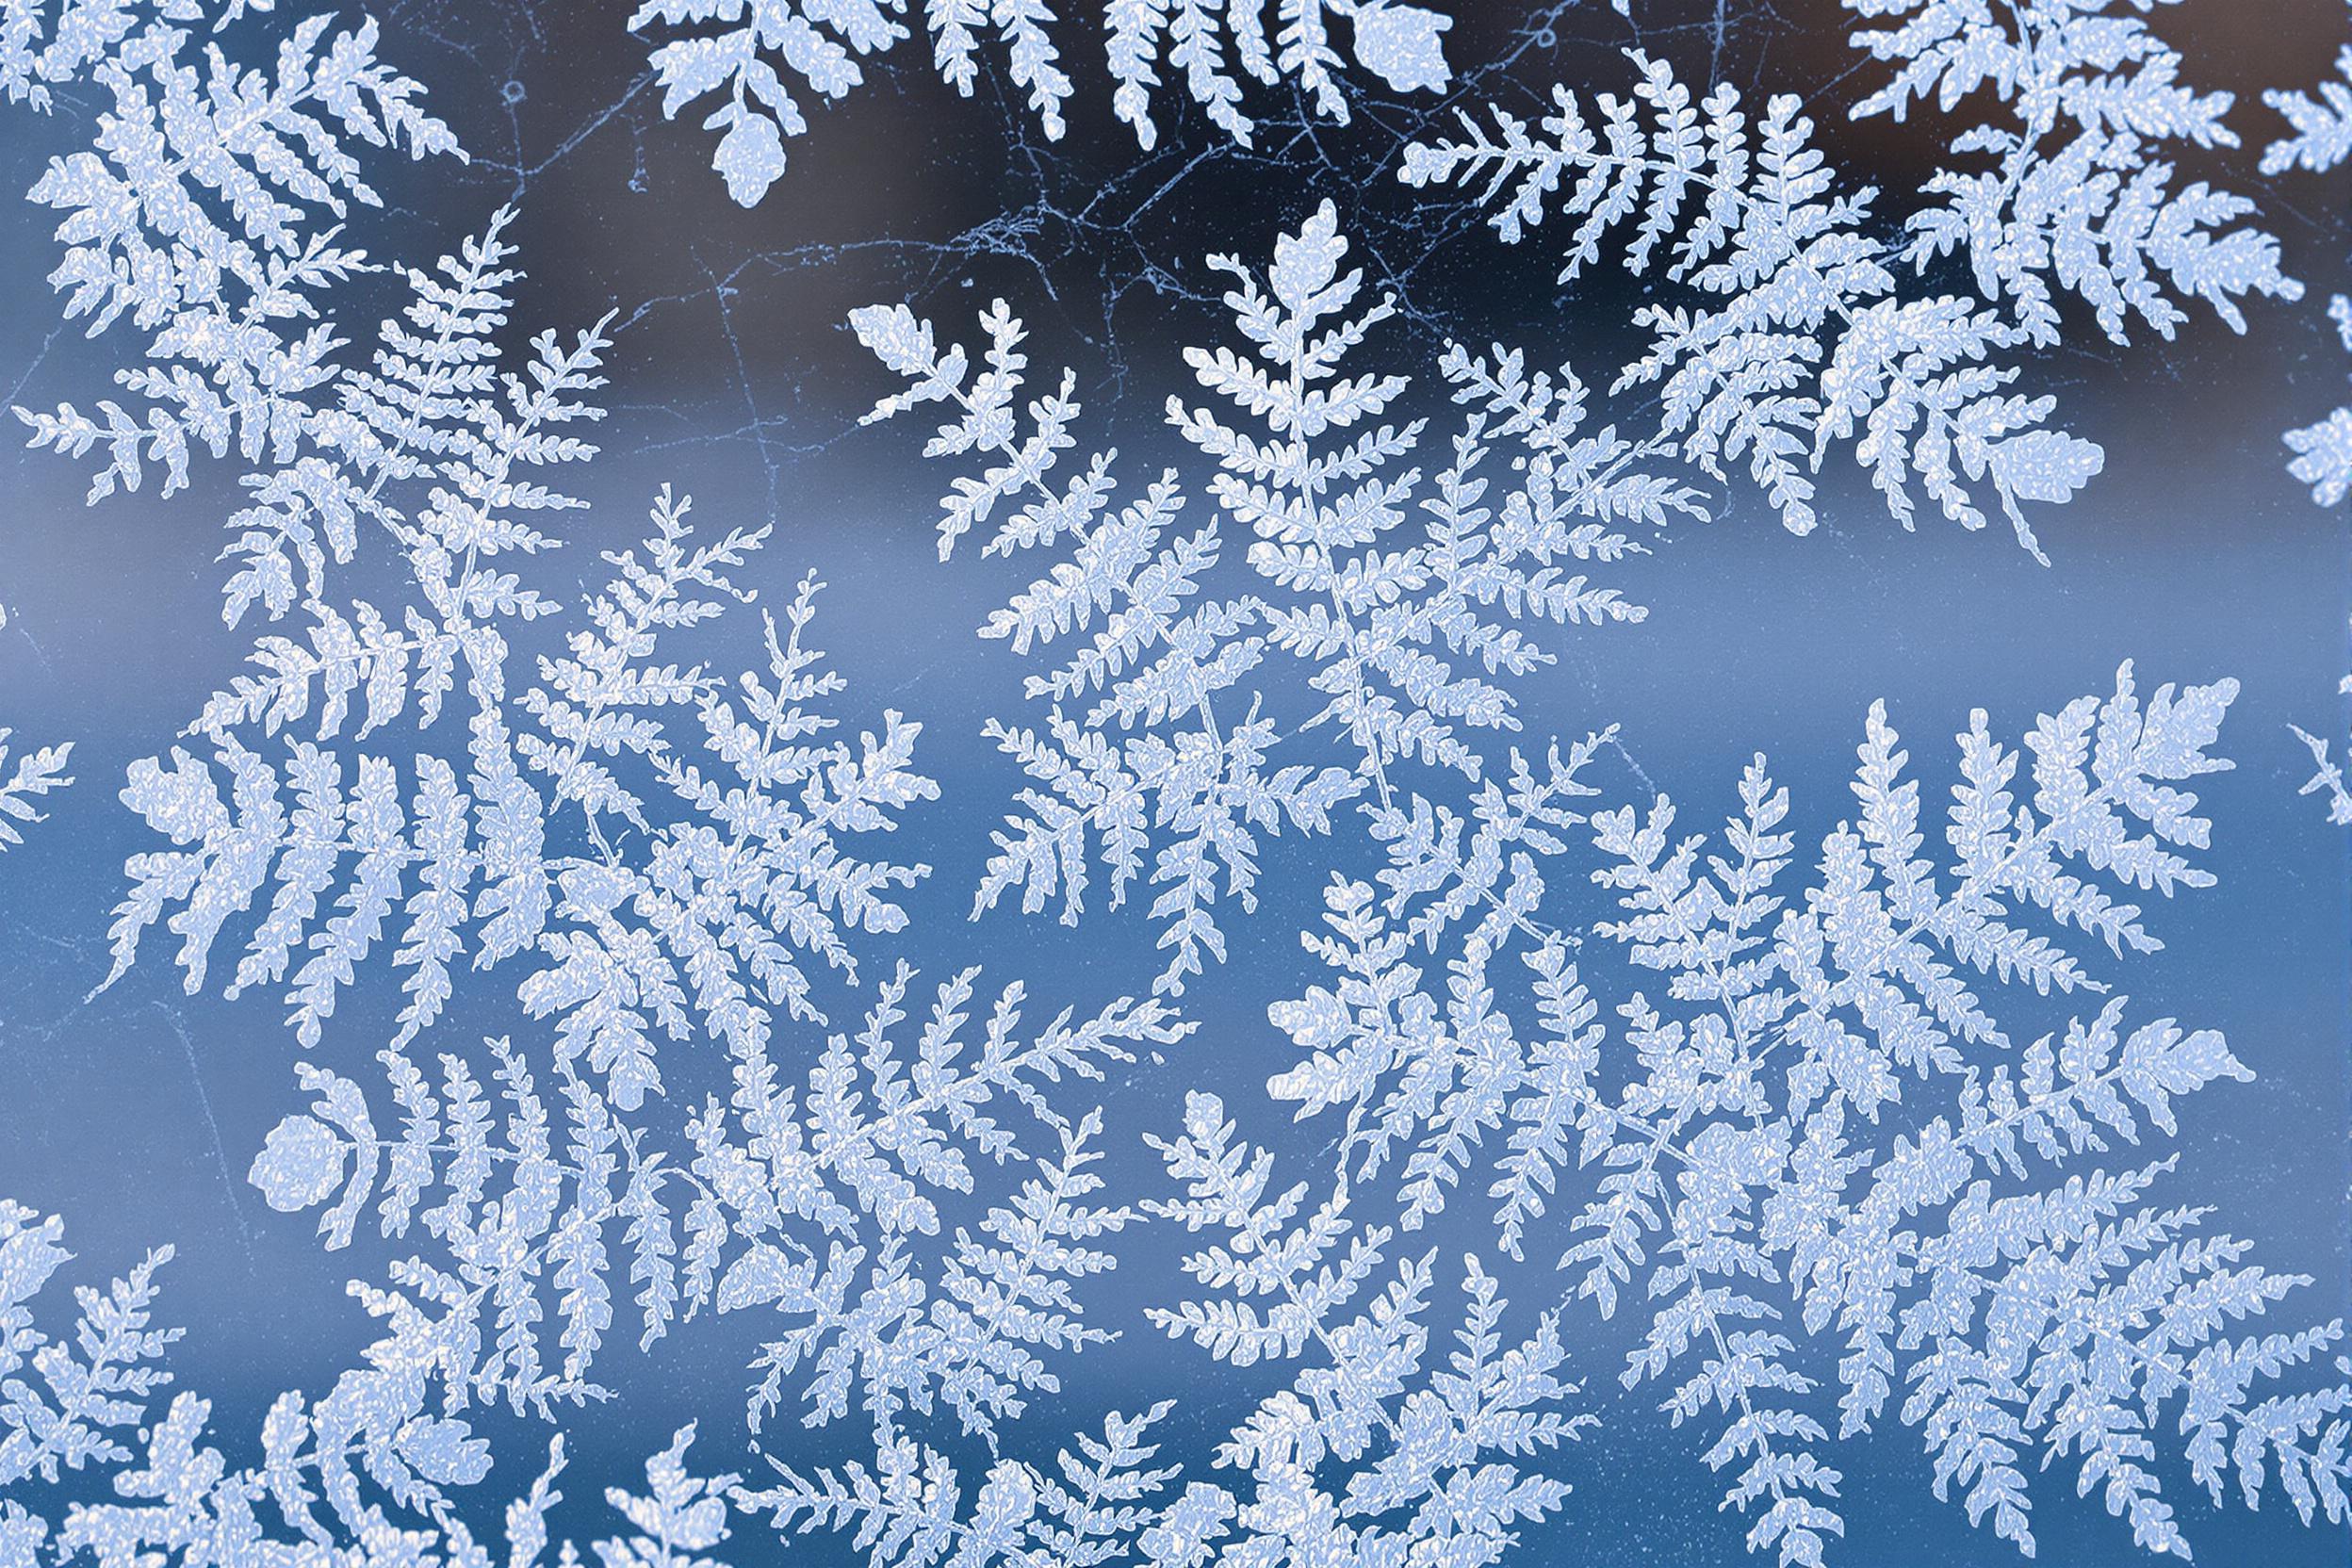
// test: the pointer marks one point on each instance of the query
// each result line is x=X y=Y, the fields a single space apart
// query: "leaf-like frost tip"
x=1403 y=46
x=300 y=1165
x=750 y=159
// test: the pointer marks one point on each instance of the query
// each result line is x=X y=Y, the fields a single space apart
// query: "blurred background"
x=136 y=1112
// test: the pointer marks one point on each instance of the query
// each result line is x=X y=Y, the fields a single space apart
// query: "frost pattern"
x=2328 y=777
x=1436 y=1463
x=208 y=212
x=36 y=773
x=2324 y=461
x=756 y=56
x=2320 y=122
x=2323 y=451
x=666 y=854
x=658 y=855
x=2321 y=141
x=2070 y=186
x=1452 y=1451
x=1154 y=755
x=1821 y=1136
x=363 y=1476
x=1803 y=338
x=1099 y=1500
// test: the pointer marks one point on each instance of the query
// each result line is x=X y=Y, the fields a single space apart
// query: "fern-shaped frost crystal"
x=1800 y=338
x=2319 y=122
x=756 y=58
x=1807 y=1117
x=738 y=879
x=365 y=1476
x=481 y=862
x=208 y=212
x=38 y=773
x=1822 y=1132
x=2072 y=188
x=1100 y=1500
x=818 y=1204
x=1154 y=757
x=1444 y=1465
x=2321 y=141
x=663 y=855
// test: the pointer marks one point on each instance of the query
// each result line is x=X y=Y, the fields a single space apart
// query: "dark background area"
x=137 y=1113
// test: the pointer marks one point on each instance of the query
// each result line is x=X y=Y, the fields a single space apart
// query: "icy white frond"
x=208 y=214
x=1100 y=1500
x=738 y=878
x=2323 y=451
x=2069 y=185
x=1406 y=606
x=662 y=854
x=579 y=890
x=2323 y=459
x=1799 y=335
x=1822 y=1134
x=1438 y=1465
x=436 y=451
x=2326 y=780
x=364 y=1477
x=37 y=774
x=839 y=1204
x=2320 y=122
x=818 y=1204
x=759 y=817
x=759 y=59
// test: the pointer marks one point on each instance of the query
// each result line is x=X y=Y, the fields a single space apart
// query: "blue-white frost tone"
x=1179 y=807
